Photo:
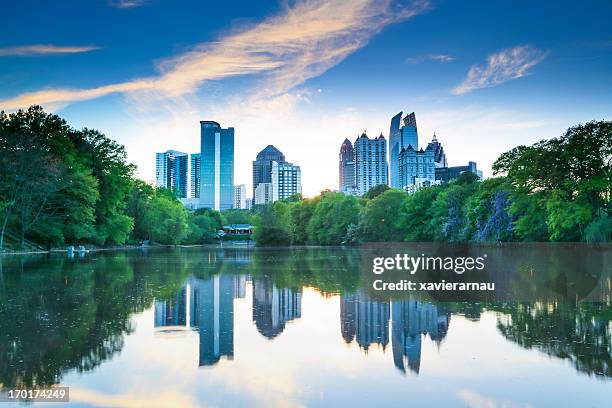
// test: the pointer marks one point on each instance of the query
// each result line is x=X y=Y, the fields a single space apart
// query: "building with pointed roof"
x=370 y=162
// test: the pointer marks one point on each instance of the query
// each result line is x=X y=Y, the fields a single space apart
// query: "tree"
x=331 y=218
x=376 y=191
x=272 y=225
x=416 y=215
x=380 y=221
x=166 y=219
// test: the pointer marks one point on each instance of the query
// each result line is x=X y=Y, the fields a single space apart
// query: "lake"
x=239 y=326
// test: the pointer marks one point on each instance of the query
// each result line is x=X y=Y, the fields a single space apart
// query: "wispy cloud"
x=503 y=66
x=43 y=49
x=434 y=57
x=302 y=42
x=127 y=4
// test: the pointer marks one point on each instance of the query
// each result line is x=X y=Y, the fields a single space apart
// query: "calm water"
x=303 y=327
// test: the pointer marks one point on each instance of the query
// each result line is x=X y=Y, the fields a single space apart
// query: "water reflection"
x=58 y=315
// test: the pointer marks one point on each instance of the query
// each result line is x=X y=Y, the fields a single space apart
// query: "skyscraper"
x=400 y=138
x=416 y=166
x=240 y=196
x=286 y=180
x=262 y=166
x=370 y=162
x=195 y=175
x=216 y=166
x=171 y=171
x=439 y=155
x=347 y=167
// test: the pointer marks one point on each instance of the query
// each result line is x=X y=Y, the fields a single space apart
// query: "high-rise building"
x=240 y=196
x=171 y=171
x=347 y=167
x=263 y=193
x=262 y=166
x=273 y=306
x=286 y=180
x=364 y=320
x=416 y=166
x=370 y=162
x=248 y=204
x=400 y=138
x=195 y=175
x=439 y=155
x=216 y=166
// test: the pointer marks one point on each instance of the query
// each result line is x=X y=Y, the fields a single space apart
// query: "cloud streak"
x=503 y=66
x=435 y=57
x=43 y=49
x=287 y=49
x=127 y=4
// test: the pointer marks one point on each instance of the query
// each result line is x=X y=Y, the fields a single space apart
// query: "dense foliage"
x=555 y=190
x=59 y=185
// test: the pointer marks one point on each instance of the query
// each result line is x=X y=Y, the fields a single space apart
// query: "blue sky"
x=304 y=75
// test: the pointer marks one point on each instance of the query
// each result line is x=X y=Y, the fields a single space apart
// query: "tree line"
x=60 y=185
x=554 y=190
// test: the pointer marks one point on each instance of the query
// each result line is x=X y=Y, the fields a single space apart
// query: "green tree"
x=416 y=215
x=331 y=218
x=166 y=218
x=376 y=191
x=380 y=221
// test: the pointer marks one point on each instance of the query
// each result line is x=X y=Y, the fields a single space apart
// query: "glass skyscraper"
x=400 y=138
x=171 y=171
x=216 y=166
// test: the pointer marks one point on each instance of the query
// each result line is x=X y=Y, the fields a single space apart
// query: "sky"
x=304 y=75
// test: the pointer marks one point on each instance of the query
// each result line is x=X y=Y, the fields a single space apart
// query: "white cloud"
x=43 y=49
x=300 y=43
x=503 y=66
x=127 y=4
x=434 y=57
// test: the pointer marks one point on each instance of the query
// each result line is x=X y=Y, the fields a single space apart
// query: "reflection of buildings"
x=411 y=320
x=208 y=306
x=365 y=320
x=273 y=307
x=171 y=312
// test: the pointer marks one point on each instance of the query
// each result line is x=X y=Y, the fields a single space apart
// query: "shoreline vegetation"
x=60 y=186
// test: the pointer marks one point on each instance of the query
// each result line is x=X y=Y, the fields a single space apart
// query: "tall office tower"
x=263 y=193
x=171 y=171
x=439 y=155
x=216 y=166
x=347 y=167
x=248 y=204
x=416 y=166
x=262 y=166
x=370 y=162
x=240 y=196
x=286 y=180
x=195 y=175
x=400 y=138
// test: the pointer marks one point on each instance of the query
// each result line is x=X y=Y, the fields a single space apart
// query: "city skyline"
x=304 y=76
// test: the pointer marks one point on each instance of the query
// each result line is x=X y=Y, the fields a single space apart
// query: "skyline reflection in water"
x=261 y=314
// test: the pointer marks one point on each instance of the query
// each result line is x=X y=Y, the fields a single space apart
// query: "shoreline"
x=367 y=245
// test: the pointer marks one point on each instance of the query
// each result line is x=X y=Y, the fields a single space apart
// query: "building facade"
x=240 y=196
x=447 y=174
x=416 y=166
x=347 y=167
x=400 y=137
x=195 y=175
x=370 y=162
x=171 y=171
x=262 y=166
x=216 y=166
x=263 y=193
x=286 y=180
x=439 y=155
